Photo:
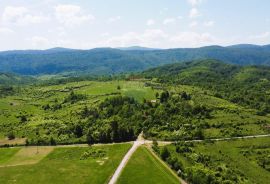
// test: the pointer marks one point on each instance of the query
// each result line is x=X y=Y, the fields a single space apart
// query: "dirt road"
x=123 y=163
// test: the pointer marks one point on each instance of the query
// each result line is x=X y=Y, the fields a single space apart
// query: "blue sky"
x=85 y=24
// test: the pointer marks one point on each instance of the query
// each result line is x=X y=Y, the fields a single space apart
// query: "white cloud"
x=159 y=39
x=13 y=14
x=150 y=22
x=150 y=37
x=4 y=30
x=39 y=41
x=71 y=15
x=261 y=36
x=180 y=17
x=114 y=19
x=169 y=21
x=194 y=2
x=163 y=11
x=192 y=39
x=209 y=23
x=20 y=15
x=105 y=34
x=193 y=24
x=194 y=13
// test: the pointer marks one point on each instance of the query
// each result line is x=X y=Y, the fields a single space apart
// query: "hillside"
x=244 y=85
x=13 y=79
x=113 y=61
x=201 y=100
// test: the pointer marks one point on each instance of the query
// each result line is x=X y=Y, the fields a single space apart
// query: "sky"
x=86 y=24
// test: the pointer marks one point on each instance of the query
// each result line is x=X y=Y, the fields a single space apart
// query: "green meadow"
x=144 y=168
x=62 y=165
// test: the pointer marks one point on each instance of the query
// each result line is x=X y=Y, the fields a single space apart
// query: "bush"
x=10 y=136
x=165 y=154
x=155 y=146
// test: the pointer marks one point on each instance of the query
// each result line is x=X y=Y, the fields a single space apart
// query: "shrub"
x=11 y=136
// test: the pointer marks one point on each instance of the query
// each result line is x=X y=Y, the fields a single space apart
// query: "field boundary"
x=144 y=141
x=165 y=165
x=217 y=139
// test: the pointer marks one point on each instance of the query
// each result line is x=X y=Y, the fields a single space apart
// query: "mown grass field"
x=62 y=165
x=144 y=168
x=248 y=159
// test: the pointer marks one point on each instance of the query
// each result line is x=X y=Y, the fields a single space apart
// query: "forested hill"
x=13 y=79
x=245 y=85
x=113 y=61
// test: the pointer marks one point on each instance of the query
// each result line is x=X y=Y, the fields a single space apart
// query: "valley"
x=182 y=118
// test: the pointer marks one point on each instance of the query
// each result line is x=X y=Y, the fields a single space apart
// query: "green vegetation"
x=114 y=61
x=248 y=86
x=13 y=79
x=238 y=161
x=143 y=167
x=66 y=165
x=6 y=154
x=78 y=112
x=116 y=111
x=195 y=100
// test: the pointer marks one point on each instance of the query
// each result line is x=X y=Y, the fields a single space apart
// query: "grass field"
x=63 y=165
x=247 y=159
x=28 y=156
x=143 y=167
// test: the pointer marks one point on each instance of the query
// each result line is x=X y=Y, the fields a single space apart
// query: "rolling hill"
x=114 y=61
x=13 y=79
x=244 y=85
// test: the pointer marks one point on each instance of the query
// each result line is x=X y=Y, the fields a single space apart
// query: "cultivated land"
x=235 y=161
x=31 y=103
x=204 y=100
x=66 y=165
x=144 y=168
x=227 y=119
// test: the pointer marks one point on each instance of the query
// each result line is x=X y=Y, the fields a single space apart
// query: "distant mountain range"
x=137 y=48
x=103 y=61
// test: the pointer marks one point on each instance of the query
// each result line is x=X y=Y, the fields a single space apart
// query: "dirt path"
x=123 y=163
x=218 y=139
x=150 y=142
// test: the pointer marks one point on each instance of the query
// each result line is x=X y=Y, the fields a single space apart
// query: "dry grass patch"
x=28 y=155
x=17 y=141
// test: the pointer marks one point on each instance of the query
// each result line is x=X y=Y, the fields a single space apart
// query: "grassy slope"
x=31 y=99
x=144 y=168
x=227 y=119
x=63 y=165
x=6 y=154
x=230 y=153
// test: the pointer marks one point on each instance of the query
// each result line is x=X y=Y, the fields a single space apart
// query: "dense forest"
x=114 y=61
